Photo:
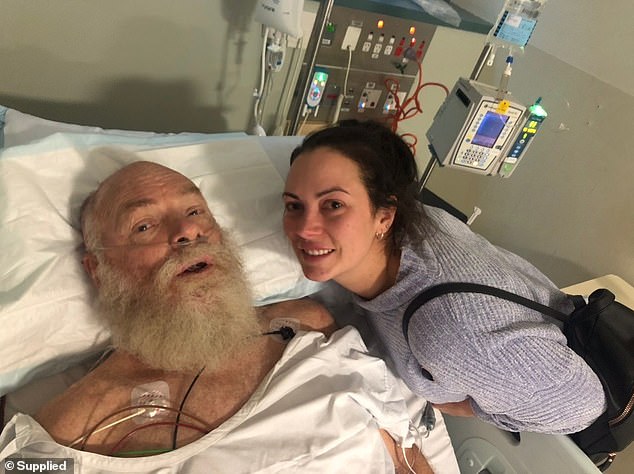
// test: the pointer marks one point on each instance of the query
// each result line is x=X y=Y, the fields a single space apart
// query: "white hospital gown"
x=318 y=411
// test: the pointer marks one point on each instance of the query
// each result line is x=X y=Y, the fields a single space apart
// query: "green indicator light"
x=330 y=27
x=321 y=77
x=537 y=110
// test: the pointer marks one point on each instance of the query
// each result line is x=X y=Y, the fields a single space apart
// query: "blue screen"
x=490 y=129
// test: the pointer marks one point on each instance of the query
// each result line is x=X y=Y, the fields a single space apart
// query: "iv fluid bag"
x=515 y=24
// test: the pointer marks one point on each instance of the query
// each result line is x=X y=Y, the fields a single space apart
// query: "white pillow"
x=45 y=297
x=18 y=128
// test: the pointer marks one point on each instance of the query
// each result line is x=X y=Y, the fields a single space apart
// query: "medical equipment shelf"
x=362 y=59
x=410 y=10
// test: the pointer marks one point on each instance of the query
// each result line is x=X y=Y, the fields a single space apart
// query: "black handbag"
x=601 y=331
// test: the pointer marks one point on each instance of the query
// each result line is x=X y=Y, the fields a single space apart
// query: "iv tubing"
x=506 y=75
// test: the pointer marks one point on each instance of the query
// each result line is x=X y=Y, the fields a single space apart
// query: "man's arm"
x=462 y=408
x=311 y=315
x=415 y=458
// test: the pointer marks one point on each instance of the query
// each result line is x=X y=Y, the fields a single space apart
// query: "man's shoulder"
x=312 y=316
x=64 y=417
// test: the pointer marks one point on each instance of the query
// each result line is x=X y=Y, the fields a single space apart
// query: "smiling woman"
x=352 y=216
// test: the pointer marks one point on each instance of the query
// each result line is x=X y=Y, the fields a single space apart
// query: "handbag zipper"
x=624 y=414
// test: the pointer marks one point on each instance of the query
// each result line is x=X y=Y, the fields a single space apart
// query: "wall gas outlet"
x=390 y=104
x=369 y=99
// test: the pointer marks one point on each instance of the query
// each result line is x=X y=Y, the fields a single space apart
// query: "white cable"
x=345 y=82
x=418 y=442
x=342 y=94
x=268 y=84
x=411 y=469
x=263 y=60
x=338 y=104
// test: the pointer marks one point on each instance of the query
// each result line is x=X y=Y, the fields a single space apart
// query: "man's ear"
x=90 y=263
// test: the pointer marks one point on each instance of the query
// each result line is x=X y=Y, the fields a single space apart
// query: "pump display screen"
x=490 y=129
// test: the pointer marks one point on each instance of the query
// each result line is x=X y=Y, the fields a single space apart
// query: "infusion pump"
x=478 y=129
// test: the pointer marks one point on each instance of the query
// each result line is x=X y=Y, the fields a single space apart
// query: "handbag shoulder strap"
x=457 y=287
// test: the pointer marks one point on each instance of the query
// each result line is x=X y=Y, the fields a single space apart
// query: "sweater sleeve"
x=516 y=369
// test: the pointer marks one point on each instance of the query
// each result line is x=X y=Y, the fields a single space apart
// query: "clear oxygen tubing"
x=185 y=243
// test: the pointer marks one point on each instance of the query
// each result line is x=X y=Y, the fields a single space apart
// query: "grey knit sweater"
x=512 y=362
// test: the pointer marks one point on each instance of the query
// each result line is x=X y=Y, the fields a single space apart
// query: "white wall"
x=591 y=35
x=159 y=65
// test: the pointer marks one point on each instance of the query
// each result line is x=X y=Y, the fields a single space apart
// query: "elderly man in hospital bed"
x=198 y=380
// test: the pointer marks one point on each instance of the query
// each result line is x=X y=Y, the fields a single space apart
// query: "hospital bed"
x=50 y=335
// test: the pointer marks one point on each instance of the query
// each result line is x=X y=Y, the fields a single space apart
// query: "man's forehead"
x=143 y=185
x=140 y=200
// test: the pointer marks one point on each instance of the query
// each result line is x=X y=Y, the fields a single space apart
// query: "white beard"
x=174 y=324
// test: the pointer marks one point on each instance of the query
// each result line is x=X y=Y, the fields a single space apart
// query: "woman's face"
x=330 y=222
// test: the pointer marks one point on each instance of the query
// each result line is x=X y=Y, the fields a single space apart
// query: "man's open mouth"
x=197 y=267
